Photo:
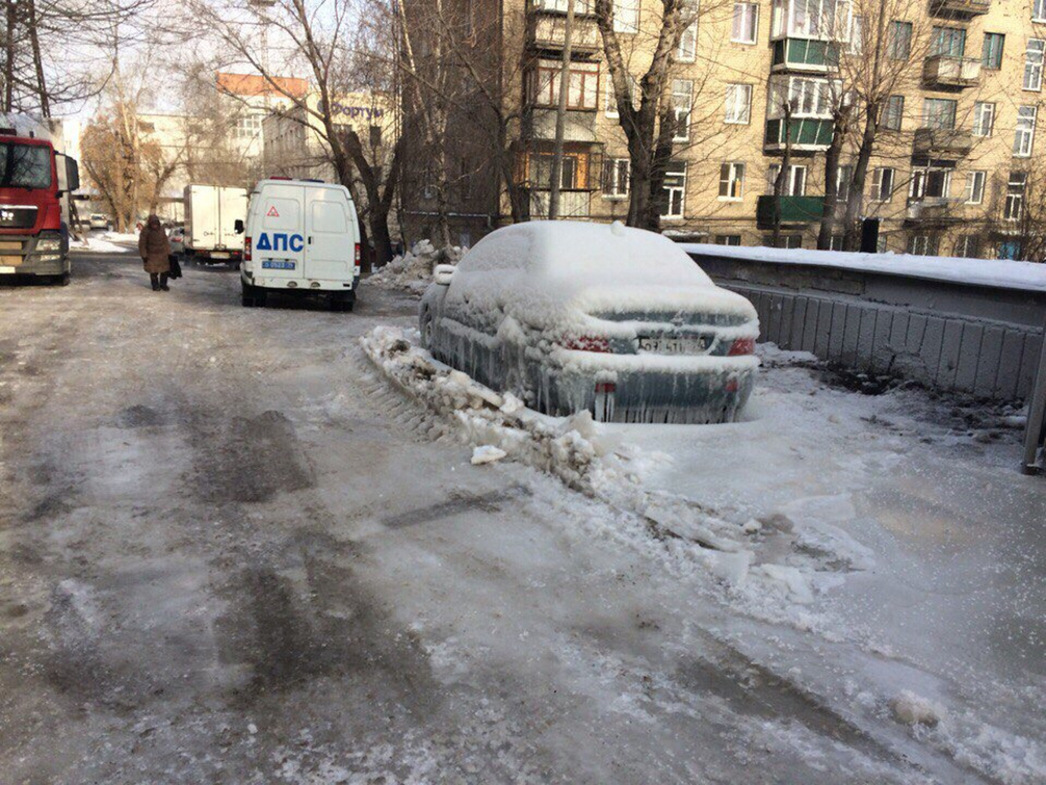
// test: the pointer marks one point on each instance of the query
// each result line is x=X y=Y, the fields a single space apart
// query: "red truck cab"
x=35 y=187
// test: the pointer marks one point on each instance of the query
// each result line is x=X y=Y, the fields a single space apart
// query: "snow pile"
x=592 y=459
x=413 y=270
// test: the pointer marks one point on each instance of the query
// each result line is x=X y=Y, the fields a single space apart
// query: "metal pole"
x=1033 y=433
x=561 y=115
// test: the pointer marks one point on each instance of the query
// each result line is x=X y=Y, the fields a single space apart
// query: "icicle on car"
x=572 y=316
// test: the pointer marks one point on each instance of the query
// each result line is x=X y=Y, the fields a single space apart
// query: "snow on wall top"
x=1002 y=273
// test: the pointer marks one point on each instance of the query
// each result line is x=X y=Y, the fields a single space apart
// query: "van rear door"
x=330 y=235
x=279 y=248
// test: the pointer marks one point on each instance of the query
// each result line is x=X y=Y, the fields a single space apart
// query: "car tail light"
x=742 y=346
x=588 y=343
x=246 y=249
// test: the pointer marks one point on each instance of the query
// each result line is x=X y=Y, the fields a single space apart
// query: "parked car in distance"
x=99 y=221
x=572 y=316
x=177 y=240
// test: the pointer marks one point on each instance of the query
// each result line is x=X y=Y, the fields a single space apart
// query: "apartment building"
x=955 y=157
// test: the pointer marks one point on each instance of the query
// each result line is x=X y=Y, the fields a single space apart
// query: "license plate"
x=675 y=344
x=6 y=268
x=274 y=265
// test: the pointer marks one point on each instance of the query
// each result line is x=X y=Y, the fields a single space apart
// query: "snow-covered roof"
x=1030 y=276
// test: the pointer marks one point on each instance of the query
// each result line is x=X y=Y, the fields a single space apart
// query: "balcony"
x=548 y=30
x=580 y=125
x=946 y=143
x=806 y=134
x=795 y=210
x=935 y=210
x=963 y=9
x=801 y=54
x=946 y=71
x=573 y=203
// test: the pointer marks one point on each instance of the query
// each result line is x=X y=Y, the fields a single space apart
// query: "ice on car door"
x=280 y=246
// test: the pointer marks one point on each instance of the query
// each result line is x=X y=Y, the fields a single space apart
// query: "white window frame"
x=687 y=51
x=983 y=118
x=884 y=178
x=675 y=191
x=745 y=23
x=619 y=169
x=738 y=104
x=626 y=16
x=682 y=104
x=975 y=183
x=734 y=181
x=1024 y=132
x=1033 y=57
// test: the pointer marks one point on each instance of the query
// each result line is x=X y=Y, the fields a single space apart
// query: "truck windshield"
x=24 y=166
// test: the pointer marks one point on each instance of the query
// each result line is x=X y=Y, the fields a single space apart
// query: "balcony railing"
x=548 y=31
x=950 y=71
x=965 y=8
x=573 y=203
x=794 y=210
x=805 y=133
x=942 y=143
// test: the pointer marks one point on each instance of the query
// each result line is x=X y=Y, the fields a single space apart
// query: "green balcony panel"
x=794 y=210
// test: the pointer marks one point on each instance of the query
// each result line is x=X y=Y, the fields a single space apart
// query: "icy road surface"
x=231 y=551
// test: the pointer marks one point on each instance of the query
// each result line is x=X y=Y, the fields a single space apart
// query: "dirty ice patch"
x=602 y=464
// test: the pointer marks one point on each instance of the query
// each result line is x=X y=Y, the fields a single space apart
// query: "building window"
x=1014 y=207
x=899 y=44
x=583 y=81
x=948 y=41
x=728 y=239
x=731 y=181
x=983 y=118
x=739 y=104
x=893 y=112
x=991 y=55
x=968 y=246
x=746 y=23
x=675 y=189
x=1024 y=136
x=626 y=16
x=687 y=51
x=1038 y=11
x=922 y=245
x=975 y=187
x=882 y=184
x=682 y=95
x=1033 y=65
x=794 y=184
x=939 y=113
x=843 y=178
x=930 y=184
x=615 y=177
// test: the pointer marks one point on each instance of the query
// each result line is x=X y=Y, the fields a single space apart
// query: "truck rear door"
x=279 y=248
x=330 y=235
x=232 y=205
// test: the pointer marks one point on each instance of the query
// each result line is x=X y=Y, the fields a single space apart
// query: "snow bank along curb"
x=580 y=453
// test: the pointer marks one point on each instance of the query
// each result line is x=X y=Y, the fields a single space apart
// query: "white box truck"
x=302 y=237
x=211 y=213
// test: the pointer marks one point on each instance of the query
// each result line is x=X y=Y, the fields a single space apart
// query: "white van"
x=301 y=236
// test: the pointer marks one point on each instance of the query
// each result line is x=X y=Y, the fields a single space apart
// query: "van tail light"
x=742 y=346
x=246 y=249
x=588 y=343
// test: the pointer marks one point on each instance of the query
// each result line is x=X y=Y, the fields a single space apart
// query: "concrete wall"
x=976 y=339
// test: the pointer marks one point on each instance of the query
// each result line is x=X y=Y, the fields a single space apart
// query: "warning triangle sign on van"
x=273 y=213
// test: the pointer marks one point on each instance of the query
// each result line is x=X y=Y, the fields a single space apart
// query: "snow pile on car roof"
x=543 y=272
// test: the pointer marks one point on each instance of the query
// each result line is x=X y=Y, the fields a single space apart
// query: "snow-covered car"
x=177 y=240
x=571 y=316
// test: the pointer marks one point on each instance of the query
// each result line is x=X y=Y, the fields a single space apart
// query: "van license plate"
x=674 y=345
x=274 y=265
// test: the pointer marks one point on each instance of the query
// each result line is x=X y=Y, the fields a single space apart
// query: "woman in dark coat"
x=155 y=248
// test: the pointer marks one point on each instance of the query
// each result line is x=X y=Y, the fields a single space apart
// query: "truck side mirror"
x=237 y=226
